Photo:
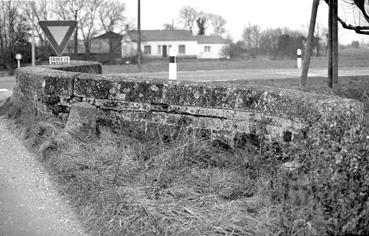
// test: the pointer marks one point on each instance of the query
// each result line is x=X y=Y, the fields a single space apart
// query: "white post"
x=19 y=64
x=299 y=59
x=172 y=64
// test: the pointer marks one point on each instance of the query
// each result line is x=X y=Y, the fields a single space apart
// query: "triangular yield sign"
x=58 y=33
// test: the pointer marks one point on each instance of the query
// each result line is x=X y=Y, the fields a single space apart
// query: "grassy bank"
x=120 y=185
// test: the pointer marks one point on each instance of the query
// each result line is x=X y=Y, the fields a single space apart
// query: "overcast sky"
x=294 y=14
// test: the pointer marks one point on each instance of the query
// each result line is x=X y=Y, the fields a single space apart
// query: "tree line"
x=98 y=16
x=17 y=20
x=199 y=22
x=277 y=43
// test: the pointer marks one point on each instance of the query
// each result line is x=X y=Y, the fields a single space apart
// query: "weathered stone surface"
x=82 y=120
x=222 y=111
x=78 y=66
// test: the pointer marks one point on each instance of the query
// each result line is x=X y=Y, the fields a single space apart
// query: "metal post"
x=139 y=51
x=33 y=35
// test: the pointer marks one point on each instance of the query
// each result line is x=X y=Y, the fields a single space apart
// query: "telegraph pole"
x=333 y=44
x=76 y=33
x=309 y=43
x=33 y=34
x=139 y=52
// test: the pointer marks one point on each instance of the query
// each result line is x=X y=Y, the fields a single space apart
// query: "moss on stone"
x=138 y=105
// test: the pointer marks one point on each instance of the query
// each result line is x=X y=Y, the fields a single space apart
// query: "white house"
x=156 y=44
x=210 y=47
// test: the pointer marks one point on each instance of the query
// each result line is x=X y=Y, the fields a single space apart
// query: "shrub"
x=337 y=163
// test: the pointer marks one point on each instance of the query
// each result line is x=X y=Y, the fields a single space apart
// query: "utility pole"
x=139 y=51
x=33 y=35
x=76 y=33
x=309 y=44
x=333 y=45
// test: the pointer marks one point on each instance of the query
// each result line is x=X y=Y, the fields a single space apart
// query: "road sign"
x=18 y=56
x=59 y=60
x=58 y=33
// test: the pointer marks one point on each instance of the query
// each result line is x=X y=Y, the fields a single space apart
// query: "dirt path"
x=29 y=203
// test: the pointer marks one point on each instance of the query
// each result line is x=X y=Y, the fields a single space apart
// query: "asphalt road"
x=29 y=201
x=250 y=74
x=228 y=75
x=7 y=82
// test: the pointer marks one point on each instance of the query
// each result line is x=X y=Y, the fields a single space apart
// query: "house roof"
x=210 y=39
x=175 y=35
x=163 y=35
x=109 y=35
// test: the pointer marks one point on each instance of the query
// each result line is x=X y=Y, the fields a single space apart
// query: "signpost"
x=18 y=57
x=58 y=34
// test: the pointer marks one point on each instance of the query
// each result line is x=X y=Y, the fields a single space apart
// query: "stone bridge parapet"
x=141 y=107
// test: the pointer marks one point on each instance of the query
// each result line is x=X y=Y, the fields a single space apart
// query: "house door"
x=164 y=50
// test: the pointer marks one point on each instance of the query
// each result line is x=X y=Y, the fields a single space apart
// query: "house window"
x=182 y=49
x=147 y=49
x=159 y=49
x=207 y=48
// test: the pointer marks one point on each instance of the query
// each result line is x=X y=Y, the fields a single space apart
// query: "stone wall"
x=142 y=107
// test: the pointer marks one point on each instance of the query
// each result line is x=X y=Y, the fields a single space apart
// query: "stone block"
x=81 y=122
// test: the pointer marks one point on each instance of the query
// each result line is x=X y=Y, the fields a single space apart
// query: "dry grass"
x=176 y=191
x=120 y=186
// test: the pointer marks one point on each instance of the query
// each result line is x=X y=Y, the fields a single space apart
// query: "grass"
x=123 y=186
x=349 y=57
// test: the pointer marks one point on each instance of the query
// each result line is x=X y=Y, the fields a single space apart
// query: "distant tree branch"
x=357 y=29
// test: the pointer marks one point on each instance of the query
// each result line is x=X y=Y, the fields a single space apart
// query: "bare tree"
x=169 y=26
x=112 y=19
x=111 y=15
x=218 y=23
x=251 y=36
x=14 y=29
x=70 y=10
x=42 y=11
x=88 y=17
x=269 y=41
x=361 y=5
x=188 y=16
x=202 y=24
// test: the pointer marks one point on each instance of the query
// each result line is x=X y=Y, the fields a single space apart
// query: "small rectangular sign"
x=59 y=60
